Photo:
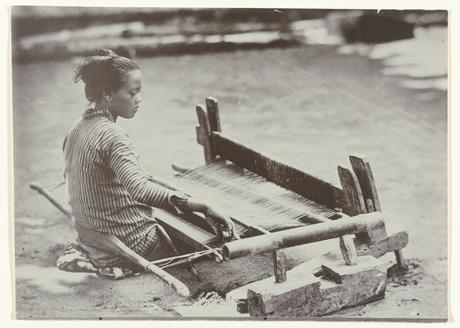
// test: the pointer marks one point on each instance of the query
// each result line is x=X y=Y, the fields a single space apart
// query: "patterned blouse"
x=108 y=190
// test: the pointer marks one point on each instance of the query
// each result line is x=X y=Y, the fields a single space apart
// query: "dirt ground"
x=309 y=106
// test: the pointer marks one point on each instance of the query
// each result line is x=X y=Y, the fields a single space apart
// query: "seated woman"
x=108 y=190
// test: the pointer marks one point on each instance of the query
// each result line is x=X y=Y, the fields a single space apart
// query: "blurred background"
x=308 y=87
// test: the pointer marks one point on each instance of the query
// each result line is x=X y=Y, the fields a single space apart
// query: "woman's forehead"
x=133 y=79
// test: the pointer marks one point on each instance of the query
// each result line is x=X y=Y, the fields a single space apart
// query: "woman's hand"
x=218 y=221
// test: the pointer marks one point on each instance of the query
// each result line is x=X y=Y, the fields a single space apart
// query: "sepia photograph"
x=230 y=163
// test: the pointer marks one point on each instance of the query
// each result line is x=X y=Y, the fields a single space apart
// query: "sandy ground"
x=310 y=107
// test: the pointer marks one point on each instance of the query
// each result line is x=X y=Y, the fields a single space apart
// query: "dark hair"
x=103 y=72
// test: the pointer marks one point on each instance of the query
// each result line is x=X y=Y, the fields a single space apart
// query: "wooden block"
x=283 y=175
x=341 y=273
x=352 y=191
x=304 y=295
x=293 y=298
x=391 y=243
x=360 y=284
x=374 y=235
x=363 y=171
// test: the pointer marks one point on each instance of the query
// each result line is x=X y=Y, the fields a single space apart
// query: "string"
x=249 y=197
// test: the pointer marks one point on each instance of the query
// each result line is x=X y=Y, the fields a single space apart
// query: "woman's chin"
x=130 y=115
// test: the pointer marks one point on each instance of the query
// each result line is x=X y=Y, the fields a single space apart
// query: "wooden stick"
x=37 y=187
x=111 y=243
x=189 y=266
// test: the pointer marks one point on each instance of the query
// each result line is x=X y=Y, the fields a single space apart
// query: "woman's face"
x=125 y=101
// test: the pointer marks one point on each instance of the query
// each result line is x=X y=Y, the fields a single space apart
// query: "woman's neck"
x=102 y=105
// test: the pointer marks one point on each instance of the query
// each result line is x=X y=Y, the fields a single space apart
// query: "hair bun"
x=105 y=52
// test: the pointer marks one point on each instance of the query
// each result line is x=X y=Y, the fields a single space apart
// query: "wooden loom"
x=275 y=206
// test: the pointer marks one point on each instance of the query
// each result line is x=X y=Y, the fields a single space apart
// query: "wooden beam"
x=185 y=231
x=283 y=175
x=371 y=223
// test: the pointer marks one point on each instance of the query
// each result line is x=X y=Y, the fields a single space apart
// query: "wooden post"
x=352 y=191
x=213 y=114
x=203 y=133
x=279 y=266
x=348 y=250
x=363 y=171
x=400 y=261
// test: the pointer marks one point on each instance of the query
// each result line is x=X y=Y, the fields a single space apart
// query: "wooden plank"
x=352 y=191
x=185 y=231
x=204 y=134
x=281 y=174
x=363 y=171
x=213 y=114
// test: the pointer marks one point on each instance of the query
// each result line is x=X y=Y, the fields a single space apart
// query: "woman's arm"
x=124 y=161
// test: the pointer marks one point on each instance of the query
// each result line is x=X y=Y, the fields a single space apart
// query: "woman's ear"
x=107 y=96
